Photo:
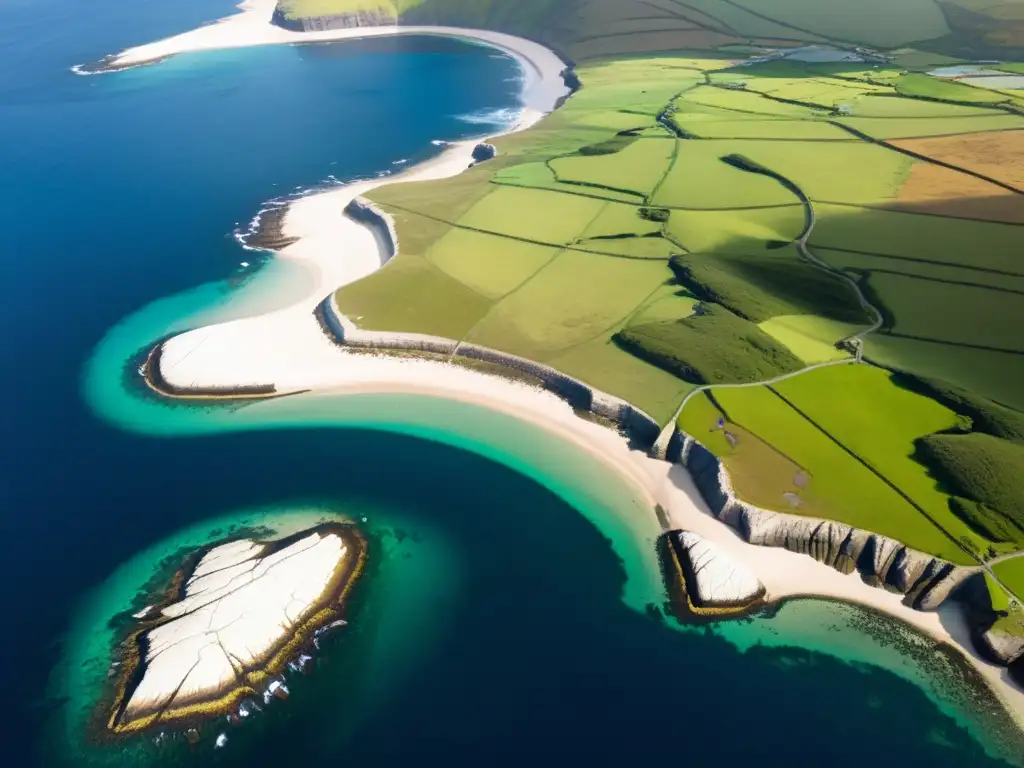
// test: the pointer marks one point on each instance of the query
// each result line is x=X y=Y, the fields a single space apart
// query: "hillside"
x=585 y=29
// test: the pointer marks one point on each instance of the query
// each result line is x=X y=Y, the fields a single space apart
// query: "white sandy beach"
x=287 y=348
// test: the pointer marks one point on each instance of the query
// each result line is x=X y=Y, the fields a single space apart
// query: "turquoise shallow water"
x=511 y=610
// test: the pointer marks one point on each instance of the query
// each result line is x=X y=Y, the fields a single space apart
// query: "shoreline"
x=253 y=26
x=287 y=350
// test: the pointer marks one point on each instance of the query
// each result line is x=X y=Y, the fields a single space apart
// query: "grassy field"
x=646 y=266
x=809 y=337
x=637 y=169
x=507 y=265
x=711 y=346
x=625 y=27
x=761 y=287
x=779 y=460
x=1011 y=573
x=878 y=421
x=981 y=467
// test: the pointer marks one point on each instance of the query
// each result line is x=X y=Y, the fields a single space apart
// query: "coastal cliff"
x=924 y=580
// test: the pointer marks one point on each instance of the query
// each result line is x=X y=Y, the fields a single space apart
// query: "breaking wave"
x=501 y=117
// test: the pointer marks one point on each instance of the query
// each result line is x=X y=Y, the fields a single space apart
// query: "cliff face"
x=924 y=580
x=336 y=21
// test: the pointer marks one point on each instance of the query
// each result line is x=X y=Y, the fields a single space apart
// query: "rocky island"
x=233 y=619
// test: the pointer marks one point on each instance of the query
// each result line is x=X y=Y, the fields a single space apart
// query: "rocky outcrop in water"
x=703 y=581
x=1002 y=647
x=714 y=578
x=924 y=580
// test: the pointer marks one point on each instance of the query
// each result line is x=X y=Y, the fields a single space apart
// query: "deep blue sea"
x=511 y=610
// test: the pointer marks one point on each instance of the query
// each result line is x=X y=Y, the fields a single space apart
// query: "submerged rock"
x=245 y=609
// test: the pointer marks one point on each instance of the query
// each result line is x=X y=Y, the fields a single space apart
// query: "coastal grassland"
x=617 y=220
x=875 y=22
x=778 y=459
x=539 y=175
x=882 y=105
x=826 y=93
x=711 y=346
x=638 y=168
x=788 y=129
x=919 y=307
x=979 y=467
x=917 y=84
x=538 y=215
x=575 y=299
x=926 y=238
x=878 y=422
x=992 y=374
x=759 y=288
x=444 y=200
x=1011 y=573
x=811 y=338
x=986 y=124
x=985 y=415
x=698 y=179
x=737 y=104
x=491 y=266
x=748 y=230
x=587 y=30
x=950 y=291
x=432 y=302
x=668 y=303
x=563 y=242
x=617 y=371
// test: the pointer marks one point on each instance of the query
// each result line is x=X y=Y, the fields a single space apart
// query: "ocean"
x=512 y=608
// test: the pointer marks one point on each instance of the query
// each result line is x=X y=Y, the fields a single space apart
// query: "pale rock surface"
x=238 y=605
x=720 y=580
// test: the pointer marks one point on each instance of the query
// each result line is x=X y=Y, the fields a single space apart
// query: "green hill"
x=587 y=29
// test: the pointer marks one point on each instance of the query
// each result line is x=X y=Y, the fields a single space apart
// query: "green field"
x=1011 y=573
x=782 y=461
x=646 y=265
x=878 y=421
x=637 y=169
x=711 y=346
x=810 y=337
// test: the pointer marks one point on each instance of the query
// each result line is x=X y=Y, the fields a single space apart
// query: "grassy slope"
x=711 y=347
x=980 y=467
x=590 y=29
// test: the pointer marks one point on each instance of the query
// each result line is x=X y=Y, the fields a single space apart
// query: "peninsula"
x=737 y=245
x=230 y=623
